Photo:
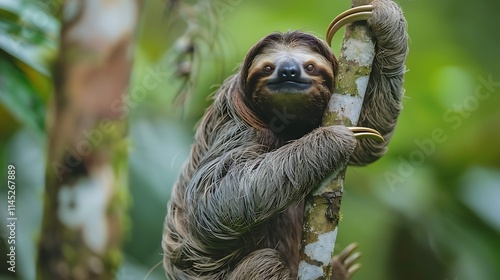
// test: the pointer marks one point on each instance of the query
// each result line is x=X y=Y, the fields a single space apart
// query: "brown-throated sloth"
x=236 y=209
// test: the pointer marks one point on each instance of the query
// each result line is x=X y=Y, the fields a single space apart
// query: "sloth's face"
x=289 y=83
x=283 y=69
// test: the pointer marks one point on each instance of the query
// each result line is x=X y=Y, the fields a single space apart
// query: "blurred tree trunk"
x=86 y=173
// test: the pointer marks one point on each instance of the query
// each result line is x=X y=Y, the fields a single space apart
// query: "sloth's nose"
x=289 y=71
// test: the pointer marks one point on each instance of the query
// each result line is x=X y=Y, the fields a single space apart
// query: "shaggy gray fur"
x=382 y=103
x=235 y=211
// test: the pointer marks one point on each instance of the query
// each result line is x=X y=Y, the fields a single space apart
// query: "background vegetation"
x=428 y=210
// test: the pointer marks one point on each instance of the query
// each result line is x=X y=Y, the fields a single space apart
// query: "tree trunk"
x=86 y=174
x=322 y=206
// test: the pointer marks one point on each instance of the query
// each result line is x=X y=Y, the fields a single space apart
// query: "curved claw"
x=353 y=269
x=345 y=264
x=365 y=132
x=354 y=14
x=347 y=251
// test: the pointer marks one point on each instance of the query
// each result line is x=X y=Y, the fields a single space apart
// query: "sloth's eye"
x=268 y=69
x=309 y=68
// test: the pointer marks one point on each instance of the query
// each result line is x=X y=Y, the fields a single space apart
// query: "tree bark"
x=86 y=173
x=322 y=206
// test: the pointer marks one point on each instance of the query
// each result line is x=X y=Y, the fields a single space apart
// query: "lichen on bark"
x=322 y=206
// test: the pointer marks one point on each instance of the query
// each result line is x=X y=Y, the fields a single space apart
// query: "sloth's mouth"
x=289 y=86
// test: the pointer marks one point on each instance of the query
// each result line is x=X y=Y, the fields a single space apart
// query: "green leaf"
x=19 y=97
x=28 y=34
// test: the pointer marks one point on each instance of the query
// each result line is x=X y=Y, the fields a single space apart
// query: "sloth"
x=236 y=210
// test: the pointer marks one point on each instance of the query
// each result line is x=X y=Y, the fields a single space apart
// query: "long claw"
x=345 y=264
x=354 y=14
x=365 y=132
x=347 y=251
x=352 y=259
x=353 y=269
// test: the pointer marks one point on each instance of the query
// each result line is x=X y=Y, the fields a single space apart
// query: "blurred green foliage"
x=28 y=34
x=428 y=210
